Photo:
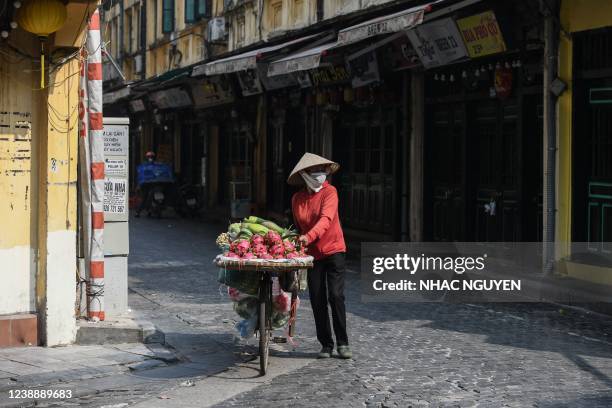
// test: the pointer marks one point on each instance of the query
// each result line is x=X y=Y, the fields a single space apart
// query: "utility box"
x=116 y=216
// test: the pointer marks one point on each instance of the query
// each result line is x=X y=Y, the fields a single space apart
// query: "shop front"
x=483 y=136
x=592 y=141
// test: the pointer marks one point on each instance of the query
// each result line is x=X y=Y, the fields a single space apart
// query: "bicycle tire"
x=264 y=340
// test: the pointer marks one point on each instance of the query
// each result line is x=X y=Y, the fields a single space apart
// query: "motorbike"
x=158 y=197
x=188 y=203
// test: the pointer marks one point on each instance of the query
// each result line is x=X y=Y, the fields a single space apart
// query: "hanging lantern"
x=42 y=18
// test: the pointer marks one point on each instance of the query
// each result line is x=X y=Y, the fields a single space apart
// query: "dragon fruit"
x=273 y=238
x=276 y=250
x=282 y=302
x=231 y=254
x=248 y=255
x=240 y=246
x=233 y=293
x=291 y=255
x=265 y=256
x=289 y=246
x=257 y=239
x=259 y=248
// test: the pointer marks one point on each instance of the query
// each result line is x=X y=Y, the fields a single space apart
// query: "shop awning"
x=392 y=23
x=242 y=62
x=300 y=61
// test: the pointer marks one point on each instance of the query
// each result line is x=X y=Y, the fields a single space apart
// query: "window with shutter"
x=203 y=8
x=167 y=16
x=190 y=10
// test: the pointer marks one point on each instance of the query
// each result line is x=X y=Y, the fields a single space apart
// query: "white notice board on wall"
x=116 y=165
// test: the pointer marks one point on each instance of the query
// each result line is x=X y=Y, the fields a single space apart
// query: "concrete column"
x=57 y=269
x=417 y=105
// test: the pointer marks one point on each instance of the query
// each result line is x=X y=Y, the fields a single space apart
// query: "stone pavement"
x=81 y=371
x=405 y=354
x=433 y=355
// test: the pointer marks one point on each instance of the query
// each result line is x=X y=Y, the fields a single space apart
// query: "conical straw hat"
x=309 y=160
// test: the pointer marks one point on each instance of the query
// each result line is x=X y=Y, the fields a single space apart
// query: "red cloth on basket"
x=316 y=215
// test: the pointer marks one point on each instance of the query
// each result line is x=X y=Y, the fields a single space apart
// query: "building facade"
x=452 y=120
x=38 y=180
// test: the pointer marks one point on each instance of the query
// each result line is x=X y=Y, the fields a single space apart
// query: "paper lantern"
x=42 y=18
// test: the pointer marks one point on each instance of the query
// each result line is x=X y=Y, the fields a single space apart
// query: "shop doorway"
x=484 y=166
x=448 y=172
x=365 y=145
x=592 y=142
x=287 y=137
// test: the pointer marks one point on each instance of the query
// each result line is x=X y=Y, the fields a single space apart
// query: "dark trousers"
x=326 y=284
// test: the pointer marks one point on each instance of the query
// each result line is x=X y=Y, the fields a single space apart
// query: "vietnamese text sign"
x=115 y=140
x=329 y=75
x=115 y=167
x=115 y=195
x=437 y=43
x=481 y=34
x=383 y=25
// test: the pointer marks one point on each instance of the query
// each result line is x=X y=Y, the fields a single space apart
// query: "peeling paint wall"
x=57 y=233
x=18 y=184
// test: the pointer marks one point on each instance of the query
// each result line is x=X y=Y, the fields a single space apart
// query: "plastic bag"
x=246 y=327
x=244 y=281
x=294 y=280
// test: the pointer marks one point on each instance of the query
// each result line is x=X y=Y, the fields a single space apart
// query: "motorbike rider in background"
x=150 y=174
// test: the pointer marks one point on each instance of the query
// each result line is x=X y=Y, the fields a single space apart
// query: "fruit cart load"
x=255 y=245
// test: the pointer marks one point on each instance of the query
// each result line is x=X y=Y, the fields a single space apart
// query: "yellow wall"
x=576 y=15
x=18 y=182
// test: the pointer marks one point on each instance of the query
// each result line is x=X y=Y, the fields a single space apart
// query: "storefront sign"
x=363 y=68
x=481 y=34
x=242 y=62
x=213 y=91
x=403 y=20
x=301 y=61
x=275 y=82
x=437 y=43
x=329 y=75
x=303 y=79
x=249 y=82
x=171 y=98
x=399 y=55
x=137 y=105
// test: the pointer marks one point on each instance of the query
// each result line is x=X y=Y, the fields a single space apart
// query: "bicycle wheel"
x=264 y=314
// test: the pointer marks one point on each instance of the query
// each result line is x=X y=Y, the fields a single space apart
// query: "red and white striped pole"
x=95 y=131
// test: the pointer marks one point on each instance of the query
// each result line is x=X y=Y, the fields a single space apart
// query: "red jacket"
x=316 y=215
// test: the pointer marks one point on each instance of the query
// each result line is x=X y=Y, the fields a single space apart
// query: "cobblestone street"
x=405 y=354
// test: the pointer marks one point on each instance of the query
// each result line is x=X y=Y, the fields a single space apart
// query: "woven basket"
x=264 y=265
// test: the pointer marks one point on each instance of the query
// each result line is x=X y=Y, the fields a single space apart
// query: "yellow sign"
x=481 y=34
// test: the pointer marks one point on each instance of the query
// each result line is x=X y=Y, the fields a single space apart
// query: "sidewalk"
x=81 y=370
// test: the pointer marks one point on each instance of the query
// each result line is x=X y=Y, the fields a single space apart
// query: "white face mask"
x=314 y=180
x=320 y=176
